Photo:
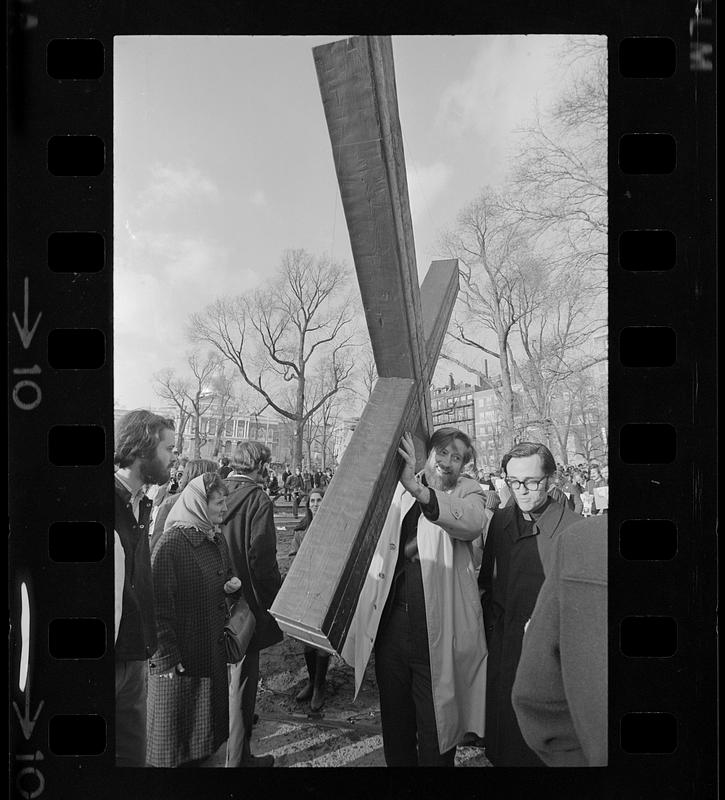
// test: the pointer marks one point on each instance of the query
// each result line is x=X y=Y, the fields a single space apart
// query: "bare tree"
x=226 y=404
x=200 y=396
x=587 y=398
x=275 y=335
x=533 y=259
x=322 y=424
x=176 y=390
x=367 y=370
x=561 y=169
x=554 y=344
x=492 y=258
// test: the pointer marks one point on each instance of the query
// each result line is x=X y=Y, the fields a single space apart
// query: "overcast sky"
x=222 y=160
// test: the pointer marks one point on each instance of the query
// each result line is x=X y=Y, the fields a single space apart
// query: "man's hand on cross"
x=408 y=477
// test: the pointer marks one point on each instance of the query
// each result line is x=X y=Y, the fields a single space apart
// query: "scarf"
x=190 y=510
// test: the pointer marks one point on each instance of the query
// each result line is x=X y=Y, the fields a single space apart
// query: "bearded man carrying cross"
x=420 y=605
x=334 y=593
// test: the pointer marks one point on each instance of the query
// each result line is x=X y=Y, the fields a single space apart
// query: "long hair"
x=444 y=436
x=194 y=468
x=305 y=524
x=138 y=434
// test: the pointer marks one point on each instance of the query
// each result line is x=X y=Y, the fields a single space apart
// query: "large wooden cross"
x=406 y=326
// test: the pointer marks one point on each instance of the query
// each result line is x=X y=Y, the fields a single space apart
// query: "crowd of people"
x=584 y=488
x=485 y=606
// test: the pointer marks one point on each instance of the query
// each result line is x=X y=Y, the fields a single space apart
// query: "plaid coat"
x=188 y=715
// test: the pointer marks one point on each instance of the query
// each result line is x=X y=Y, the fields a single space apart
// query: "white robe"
x=456 y=636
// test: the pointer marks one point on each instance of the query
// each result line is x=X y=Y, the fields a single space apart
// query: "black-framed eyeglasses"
x=530 y=483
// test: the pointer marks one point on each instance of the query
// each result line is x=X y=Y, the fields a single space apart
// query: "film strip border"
x=659 y=652
x=662 y=399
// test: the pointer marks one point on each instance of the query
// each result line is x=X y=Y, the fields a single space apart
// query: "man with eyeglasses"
x=518 y=547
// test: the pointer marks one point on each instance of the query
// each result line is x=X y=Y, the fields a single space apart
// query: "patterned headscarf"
x=190 y=510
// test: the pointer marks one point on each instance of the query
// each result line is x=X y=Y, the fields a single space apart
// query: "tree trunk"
x=299 y=421
x=323 y=448
x=197 y=436
x=508 y=395
x=218 y=438
x=183 y=420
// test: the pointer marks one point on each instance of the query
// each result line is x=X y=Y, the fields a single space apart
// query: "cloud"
x=171 y=186
x=425 y=184
x=259 y=198
x=504 y=78
x=159 y=280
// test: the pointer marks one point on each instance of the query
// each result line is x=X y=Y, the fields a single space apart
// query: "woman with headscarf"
x=188 y=713
x=316 y=660
x=193 y=469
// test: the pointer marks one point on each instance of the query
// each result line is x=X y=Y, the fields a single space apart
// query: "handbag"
x=238 y=631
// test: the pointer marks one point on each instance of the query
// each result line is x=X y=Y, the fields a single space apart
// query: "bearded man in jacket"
x=515 y=560
x=420 y=605
x=252 y=539
x=143 y=451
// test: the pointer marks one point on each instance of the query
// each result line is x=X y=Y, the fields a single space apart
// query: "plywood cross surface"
x=406 y=323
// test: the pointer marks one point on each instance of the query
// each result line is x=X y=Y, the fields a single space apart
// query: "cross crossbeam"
x=406 y=324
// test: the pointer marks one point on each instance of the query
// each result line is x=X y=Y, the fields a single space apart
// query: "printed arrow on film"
x=26 y=722
x=26 y=334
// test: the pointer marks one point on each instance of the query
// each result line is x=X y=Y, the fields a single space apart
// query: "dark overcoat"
x=511 y=575
x=252 y=539
x=136 y=639
x=188 y=715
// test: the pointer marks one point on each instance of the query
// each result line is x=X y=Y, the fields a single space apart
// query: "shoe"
x=318 y=698
x=257 y=761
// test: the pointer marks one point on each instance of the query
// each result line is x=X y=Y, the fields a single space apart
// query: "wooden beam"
x=320 y=592
x=357 y=84
x=321 y=589
x=407 y=325
x=437 y=298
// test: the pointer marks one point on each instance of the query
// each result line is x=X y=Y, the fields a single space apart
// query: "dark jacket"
x=137 y=630
x=252 y=539
x=189 y=714
x=162 y=513
x=575 y=501
x=294 y=483
x=560 y=692
x=520 y=556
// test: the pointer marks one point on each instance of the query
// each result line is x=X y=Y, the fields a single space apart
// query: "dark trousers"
x=402 y=670
x=243 y=698
x=131 y=692
x=297 y=498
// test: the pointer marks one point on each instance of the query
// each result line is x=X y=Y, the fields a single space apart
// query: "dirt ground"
x=345 y=732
